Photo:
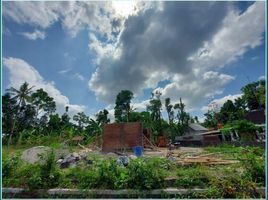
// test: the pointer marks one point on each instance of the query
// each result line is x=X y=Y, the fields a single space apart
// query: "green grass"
x=234 y=180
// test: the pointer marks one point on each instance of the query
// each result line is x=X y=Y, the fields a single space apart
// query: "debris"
x=123 y=161
x=205 y=160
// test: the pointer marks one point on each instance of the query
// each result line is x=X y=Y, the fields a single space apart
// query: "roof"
x=197 y=127
x=211 y=132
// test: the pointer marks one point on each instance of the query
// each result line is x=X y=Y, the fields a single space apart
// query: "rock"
x=123 y=160
x=111 y=154
x=59 y=161
x=132 y=157
x=171 y=158
x=33 y=154
x=61 y=153
x=83 y=156
x=76 y=156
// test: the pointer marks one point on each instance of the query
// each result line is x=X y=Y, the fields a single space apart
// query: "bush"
x=102 y=175
x=253 y=162
x=192 y=176
x=142 y=175
x=9 y=165
x=45 y=175
x=234 y=187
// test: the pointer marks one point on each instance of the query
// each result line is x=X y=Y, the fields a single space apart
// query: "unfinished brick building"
x=123 y=136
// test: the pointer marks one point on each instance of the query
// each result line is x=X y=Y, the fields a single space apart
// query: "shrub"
x=142 y=175
x=102 y=175
x=192 y=176
x=10 y=165
x=253 y=162
x=45 y=175
x=234 y=187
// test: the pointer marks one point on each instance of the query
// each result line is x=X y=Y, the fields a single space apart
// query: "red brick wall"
x=121 y=135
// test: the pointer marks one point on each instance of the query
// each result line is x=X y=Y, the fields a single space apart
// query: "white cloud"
x=239 y=33
x=152 y=47
x=34 y=35
x=262 y=78
x=74 y=16
x=79 y=77
x=185 y=43
x=216 y=104
x=20 y=71
x=64 y=71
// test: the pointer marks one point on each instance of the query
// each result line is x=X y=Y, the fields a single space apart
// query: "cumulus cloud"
x=239 y=33
x=154 y=44
x=216 y=104
x=36 y=34
x=74 y=16
x=262 y=78
x=20 y=71
x=185 y=43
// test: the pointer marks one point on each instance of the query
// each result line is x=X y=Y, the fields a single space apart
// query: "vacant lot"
x=224 y=171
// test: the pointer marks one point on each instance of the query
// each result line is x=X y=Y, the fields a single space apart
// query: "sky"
x=84 y=53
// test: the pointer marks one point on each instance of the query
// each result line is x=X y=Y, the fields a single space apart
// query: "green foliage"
x=254 y=94
x=253 y=161
x=122 y=107
x=102 y=175
x=244 y=128
x=192 y=176
x=45 y=175
x=81 y=119
x=143 y=175
x=233 y=187
x=9 y=165
x=102 y=117
x=155 y=107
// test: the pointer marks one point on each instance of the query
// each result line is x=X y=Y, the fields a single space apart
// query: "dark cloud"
x=157 y=41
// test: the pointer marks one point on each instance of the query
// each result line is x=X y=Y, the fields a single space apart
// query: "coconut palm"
x=21 y=95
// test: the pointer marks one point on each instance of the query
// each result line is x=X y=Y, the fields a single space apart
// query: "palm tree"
x=22 y=95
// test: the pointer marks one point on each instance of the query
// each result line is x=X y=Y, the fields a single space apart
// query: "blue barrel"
x=138 y=151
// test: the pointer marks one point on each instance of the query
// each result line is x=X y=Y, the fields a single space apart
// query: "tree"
x=43 y=103
x=9 y=112
x=254 y=94
x=227 y=112
x=182 y=117
x=170 y=111
x=65 y=118
x=122 y=107
x=54 y=123
x=155 y=107
x=210 y=120
x=102 y=117
x=81 y=119
x=23 y=95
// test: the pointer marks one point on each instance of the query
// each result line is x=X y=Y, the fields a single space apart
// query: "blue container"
x=138 y=151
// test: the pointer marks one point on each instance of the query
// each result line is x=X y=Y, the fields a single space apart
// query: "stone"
x=59 y=161
x=111 y=154
x=132 y=157
x=33 y=154
x=123 y=161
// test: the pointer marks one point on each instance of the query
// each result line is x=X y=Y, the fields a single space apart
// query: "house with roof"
x=193 y=135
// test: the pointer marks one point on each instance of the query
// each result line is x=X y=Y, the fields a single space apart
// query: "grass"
x=221 y=181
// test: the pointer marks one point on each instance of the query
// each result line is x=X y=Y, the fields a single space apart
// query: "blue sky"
x=84 y=53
